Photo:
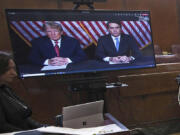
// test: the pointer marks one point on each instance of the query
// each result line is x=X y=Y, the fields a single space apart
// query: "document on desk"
x=53 y=67
x=110 y=62
x=112 y=128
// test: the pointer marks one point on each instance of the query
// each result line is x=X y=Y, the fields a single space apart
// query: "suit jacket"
x=106 y=47
x=42 y=49
x=9 y=121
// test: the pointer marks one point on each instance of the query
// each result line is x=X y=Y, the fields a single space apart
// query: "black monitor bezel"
x=47 y=15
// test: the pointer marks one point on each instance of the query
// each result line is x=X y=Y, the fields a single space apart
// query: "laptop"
x=83 y=115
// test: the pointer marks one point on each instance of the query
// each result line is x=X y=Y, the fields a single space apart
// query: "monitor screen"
x=52 y=42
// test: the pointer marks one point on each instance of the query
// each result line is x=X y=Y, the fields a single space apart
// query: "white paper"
x=53 y=67
x=112 y=128
x=110 y=62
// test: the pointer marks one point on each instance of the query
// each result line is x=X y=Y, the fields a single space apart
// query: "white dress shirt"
x=59 y=45
x=114 y=40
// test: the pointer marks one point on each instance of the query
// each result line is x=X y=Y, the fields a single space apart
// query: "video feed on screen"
x=51 y=42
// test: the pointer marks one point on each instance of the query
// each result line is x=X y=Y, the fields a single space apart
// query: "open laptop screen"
x=83 y=115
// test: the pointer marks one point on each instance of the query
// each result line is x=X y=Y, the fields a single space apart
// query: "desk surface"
x=109 y=120
x=87 y=66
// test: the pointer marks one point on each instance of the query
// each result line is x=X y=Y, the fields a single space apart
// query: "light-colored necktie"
x=117 y=44
x=56 y=47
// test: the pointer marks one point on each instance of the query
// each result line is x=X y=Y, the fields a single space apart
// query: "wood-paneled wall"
x=148 y=98
x=164 y=14
x=151 y=95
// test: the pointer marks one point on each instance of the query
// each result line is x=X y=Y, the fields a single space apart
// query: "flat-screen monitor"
x=84 y=33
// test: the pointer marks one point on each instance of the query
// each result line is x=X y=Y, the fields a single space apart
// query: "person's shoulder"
x=105 y=37
x=68 y=38
x=40 y=39
x=126 y=36
x=4 y=88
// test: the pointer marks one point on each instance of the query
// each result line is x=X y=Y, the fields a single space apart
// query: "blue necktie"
x=117 y=44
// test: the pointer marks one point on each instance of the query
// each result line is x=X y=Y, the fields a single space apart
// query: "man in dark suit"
x=117 y=47
x=55 y=49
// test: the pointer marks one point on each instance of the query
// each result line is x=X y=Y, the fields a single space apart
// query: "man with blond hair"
x=55 y=49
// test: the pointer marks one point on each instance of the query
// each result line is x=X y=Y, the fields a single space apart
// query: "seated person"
x=55 y=49
x=117 y=47
x=15 y=115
